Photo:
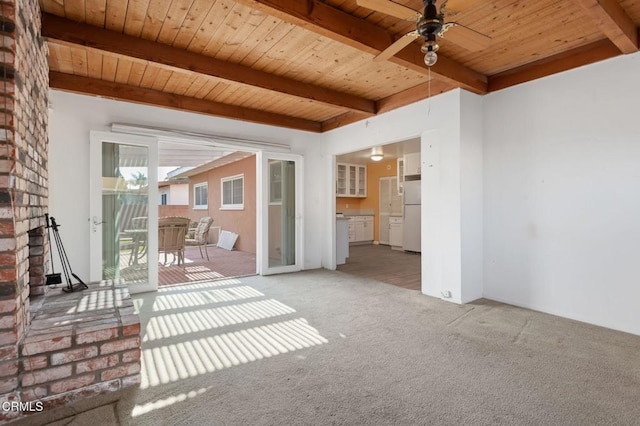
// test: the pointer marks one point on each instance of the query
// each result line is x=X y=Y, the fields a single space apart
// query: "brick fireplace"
x=23 y=173
x=36 y=260
x=55 y=348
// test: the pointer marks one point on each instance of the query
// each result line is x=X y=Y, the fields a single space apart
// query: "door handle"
x=96 y=222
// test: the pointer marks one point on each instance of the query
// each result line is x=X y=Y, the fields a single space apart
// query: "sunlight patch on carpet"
x=193 y=321
x=182 y=360
x=204 y=297
x=139 y=410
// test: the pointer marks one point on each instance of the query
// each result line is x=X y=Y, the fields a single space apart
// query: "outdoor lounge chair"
x=200 y=235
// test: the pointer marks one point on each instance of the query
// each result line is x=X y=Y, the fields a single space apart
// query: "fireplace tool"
x=54 y=277
x=66 y=266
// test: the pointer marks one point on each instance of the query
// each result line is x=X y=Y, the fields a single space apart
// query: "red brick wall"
x=24 y=87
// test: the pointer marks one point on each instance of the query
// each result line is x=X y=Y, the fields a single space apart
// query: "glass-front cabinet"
x=341 y=179
x=351 y=180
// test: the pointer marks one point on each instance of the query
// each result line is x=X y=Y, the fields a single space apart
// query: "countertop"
x=355 y=212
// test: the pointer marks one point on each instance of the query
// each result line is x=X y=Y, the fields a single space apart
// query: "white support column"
x=452 y=205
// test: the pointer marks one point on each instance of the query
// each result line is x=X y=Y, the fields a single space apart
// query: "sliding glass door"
x=281 y=220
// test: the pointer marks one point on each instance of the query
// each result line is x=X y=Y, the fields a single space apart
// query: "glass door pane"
x=282 y=214
x=125 y=207
x=341 y=179
x=123 y=225
x=362 y=181
x=353 y=179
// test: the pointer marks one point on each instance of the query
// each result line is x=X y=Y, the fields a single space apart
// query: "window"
x=232 y=189
x=201 y=196
x=163 y=199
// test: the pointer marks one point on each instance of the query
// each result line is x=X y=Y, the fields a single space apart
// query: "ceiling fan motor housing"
x=430 y=23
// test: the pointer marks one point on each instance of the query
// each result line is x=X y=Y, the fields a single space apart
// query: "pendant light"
x=376 y=153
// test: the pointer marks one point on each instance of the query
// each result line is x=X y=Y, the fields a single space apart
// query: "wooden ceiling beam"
x=111 y=90
x=406 y=97
x=68 y=32
x=414 y=94
x=342 y=120
x=335 y=24
x=614 y=22
x=594 y=52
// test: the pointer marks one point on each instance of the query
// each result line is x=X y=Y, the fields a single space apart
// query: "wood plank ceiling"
x=309 y=64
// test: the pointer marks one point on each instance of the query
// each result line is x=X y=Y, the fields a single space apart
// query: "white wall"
x=437 y=121
x=179 y=195
x=74 y=116
x=562 y=194
x=471 y=196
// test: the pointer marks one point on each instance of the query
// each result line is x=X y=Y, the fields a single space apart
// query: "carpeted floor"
x=323 y=347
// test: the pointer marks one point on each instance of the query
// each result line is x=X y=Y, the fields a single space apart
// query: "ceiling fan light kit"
x=429 y=48
x=430 y=58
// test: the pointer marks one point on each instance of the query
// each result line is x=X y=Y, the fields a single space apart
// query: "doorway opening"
x=216 y=190
x=378 y=220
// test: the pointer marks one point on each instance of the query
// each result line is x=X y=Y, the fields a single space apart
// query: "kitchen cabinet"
x=361 y=229
x=351 y=180
x=390 y=205
x=395 y=232
x=352 y=231
x=412 y=164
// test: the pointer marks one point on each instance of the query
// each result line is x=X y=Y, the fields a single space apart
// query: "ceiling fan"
x=429 y=24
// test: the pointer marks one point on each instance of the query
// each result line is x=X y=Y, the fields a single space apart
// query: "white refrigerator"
x=411 y=226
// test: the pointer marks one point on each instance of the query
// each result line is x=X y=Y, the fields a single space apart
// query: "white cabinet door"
x=383 y=230
x=360 y=231
x=390 y=205
x=387 y=187
x=362 y=181
x=412 y=164
x=352 y=190
x=395 y=232
x=395 y=202
x=341 y=180
x=368 y=229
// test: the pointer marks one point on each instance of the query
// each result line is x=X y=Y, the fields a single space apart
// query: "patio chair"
x=200 y=235
x=171 y=237
x=134 y=239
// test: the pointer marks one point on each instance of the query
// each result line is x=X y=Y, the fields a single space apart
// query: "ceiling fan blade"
x=397 y=46
x=457 y=6
x=465 y=37
x=390 y=8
